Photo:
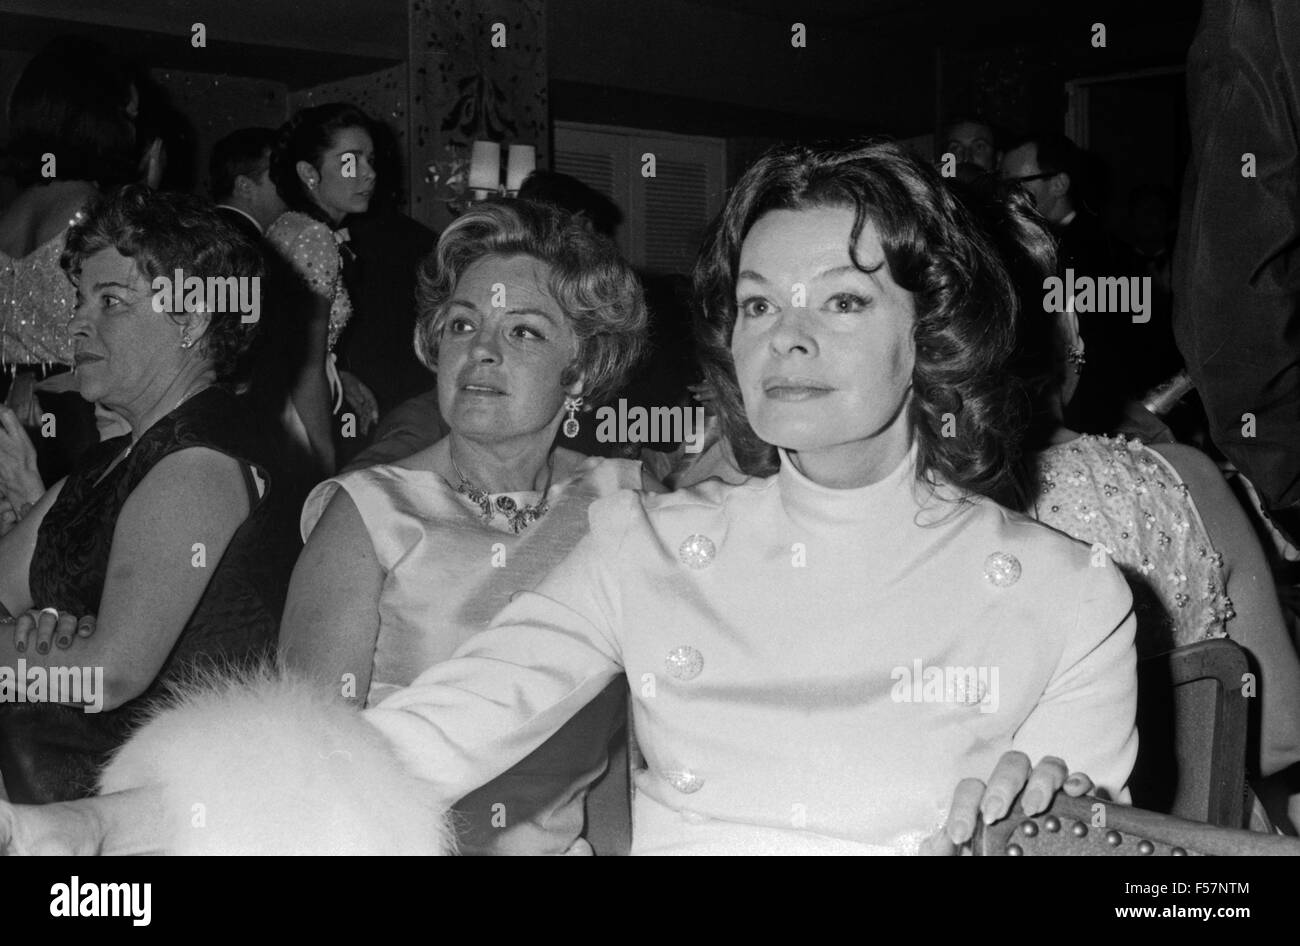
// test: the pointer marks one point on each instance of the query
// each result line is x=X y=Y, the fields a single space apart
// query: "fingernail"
x=65 y=641
x=993 y=809
x=959 y=832
x=43 y=647
x=20 y=646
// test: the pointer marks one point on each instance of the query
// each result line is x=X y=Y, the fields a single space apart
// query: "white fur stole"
x=266 y=763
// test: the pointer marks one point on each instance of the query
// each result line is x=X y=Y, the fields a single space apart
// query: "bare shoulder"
x=1226 y=524
x=194 y=478
x=1205 y=481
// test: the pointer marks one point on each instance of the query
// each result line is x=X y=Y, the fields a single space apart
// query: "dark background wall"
x=724 y=68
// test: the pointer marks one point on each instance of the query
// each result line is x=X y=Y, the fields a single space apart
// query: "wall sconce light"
x=485 y=168
x=461 y=179
x=522 y=162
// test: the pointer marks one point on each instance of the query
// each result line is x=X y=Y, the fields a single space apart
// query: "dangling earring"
x=1075 y=357
x=571 y=404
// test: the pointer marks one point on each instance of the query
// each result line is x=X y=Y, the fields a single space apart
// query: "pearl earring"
x=186 y=341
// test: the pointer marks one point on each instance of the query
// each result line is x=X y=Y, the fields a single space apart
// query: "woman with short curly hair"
x=525 y=313
x=171 y=540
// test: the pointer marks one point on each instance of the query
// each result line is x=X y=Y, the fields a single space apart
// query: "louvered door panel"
x=676 y=213
x=664 y=216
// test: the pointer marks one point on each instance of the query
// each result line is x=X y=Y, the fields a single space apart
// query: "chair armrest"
x=1067 y=829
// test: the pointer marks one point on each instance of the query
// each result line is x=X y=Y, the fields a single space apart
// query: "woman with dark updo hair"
x=172 y=543
x=323 y=167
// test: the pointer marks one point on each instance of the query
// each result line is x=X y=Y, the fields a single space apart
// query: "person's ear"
x=1067 y=329
x=194 y=327
x=1068 y=340
x=309 y=176
x=577 y=386
x=1059 y=184
x=153 y=163
x=244 y=186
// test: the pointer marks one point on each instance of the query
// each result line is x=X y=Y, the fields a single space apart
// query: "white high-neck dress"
x=812 y=670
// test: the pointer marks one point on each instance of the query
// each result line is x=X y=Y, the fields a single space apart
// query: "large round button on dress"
x=1002 y=569
x=684 y=663
x=684 y=781
x=697 y=551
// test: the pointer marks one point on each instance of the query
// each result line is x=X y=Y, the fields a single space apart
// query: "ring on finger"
x=53 y=611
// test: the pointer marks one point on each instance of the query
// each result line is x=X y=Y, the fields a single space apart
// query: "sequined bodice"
x=1125 y=498
x=313 y=250
x=36 y=303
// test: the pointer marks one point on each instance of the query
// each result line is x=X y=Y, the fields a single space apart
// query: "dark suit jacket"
x=1237 y=262
x=246 y=226
x=377 y=345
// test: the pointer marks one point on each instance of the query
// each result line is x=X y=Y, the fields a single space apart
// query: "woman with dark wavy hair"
x=816 y=657
x=323 y=166
x=169 y=540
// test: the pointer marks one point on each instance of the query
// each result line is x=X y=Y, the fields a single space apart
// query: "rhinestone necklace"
x=519 y=517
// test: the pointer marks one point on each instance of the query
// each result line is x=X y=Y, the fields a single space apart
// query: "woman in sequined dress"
x=323 y=167
x=1162 y=512
x=71 y=118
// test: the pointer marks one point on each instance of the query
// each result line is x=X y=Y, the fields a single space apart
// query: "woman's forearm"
x=311 y=399
x=123 y=823
x=311 y=389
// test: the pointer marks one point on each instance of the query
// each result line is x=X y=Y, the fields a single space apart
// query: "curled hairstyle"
x=593 y=285
x=71 y=101
x=965 y=304
x=306 y=137
x=164 y=232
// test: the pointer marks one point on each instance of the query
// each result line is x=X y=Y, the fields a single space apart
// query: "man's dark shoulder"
x=242 y=223
x=1089 y=247
x=388 y=231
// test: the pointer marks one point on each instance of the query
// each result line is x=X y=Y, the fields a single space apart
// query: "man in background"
x=971 y=141
x=1237 y=260
x=241 y=183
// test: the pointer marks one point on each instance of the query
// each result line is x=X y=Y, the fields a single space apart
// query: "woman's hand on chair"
x=37 y=629
x=1013 y=773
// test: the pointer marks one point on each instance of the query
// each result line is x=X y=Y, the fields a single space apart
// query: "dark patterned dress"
x=53 y=753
